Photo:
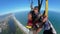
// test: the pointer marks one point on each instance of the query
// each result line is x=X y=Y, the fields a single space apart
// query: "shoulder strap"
x=39 y=15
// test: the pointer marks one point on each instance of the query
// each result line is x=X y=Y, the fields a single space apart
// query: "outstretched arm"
x=45 y=19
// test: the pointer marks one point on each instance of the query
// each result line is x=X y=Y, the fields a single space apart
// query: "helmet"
x=35 y=7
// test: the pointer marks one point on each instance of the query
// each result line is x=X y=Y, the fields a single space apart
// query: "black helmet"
x=35 y=7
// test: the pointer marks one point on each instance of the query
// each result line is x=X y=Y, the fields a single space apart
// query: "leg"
x=35 y=32
x=38 y=30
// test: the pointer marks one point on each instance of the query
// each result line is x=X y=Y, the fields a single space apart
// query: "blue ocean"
x=54 y=17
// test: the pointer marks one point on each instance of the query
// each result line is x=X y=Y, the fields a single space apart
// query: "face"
x=36 y=10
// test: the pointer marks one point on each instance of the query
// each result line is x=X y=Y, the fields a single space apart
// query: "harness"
x=37 y=20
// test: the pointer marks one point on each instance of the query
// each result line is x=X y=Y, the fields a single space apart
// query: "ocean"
x=54 y=18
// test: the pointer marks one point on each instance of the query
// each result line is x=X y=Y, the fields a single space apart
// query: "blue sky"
x=7 y=6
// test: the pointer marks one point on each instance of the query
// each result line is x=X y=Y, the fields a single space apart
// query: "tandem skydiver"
x=34 y=21
x=37 y=21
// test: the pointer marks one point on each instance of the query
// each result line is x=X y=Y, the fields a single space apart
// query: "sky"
x=7 y=6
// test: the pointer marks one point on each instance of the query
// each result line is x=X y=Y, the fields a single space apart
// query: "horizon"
x=21 y=11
